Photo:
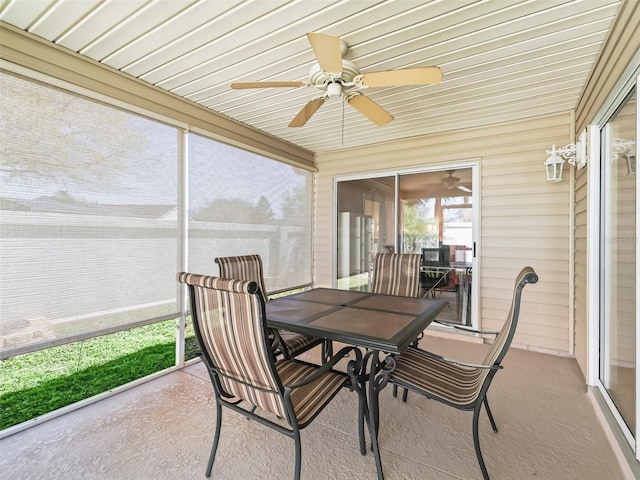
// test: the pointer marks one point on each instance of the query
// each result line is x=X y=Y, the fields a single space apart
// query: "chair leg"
x=216 y=438
x=493 y=423
x=296 y=439
x=326 y=350
x=476 y=441
x=405 y=394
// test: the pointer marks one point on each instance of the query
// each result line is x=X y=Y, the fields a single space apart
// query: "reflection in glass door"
x=618 y=261
x=436 y=221
x=365 y=227
x=430 y=213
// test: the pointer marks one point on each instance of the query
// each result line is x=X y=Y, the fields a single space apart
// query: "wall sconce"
x=627 y=149
x=574 y=153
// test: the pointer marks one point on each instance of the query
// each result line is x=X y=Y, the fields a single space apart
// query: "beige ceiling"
x=502 y=60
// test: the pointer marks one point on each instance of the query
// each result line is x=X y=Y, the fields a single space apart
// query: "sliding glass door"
x=427 y=212
x=618 y=263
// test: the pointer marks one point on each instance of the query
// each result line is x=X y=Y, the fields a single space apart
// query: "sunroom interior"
x=127 y=157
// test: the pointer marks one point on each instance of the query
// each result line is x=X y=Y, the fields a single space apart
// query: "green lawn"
x=40 y=382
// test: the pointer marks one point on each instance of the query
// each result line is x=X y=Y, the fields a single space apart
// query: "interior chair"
x=396 y=274
x=460 y=384
x=249 y=267
x=230 y=327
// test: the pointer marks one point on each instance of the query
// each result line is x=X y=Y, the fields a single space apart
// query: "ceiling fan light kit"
x=337 y=78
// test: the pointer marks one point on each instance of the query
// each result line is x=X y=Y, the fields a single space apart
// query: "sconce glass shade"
x=554 y=165
x=625 y=148
x=631 y=164
x=574 y=153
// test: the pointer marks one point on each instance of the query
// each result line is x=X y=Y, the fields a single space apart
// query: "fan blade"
x=370 y=109
x=268 y=84
x=464 y=188
x=307 y=112
x=409 y=76
x=327 y=51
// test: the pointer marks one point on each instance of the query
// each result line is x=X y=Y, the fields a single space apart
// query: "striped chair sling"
x=396 y=274
x=234 y=341
x=249 y=267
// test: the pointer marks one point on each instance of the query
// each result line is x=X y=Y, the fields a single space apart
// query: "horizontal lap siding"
x=617 y=53
x=580 y=272
x=525 y=219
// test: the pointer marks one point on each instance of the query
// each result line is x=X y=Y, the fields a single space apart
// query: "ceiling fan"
x=454 y=182
x=337 y=77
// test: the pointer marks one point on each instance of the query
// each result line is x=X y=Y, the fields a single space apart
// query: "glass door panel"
x=365 y=227
x=618 y=279
x=436 y=220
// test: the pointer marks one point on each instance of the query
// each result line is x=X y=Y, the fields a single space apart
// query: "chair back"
x=396 y=274
x=243 y=267
x=501 y=344
x=229 y=323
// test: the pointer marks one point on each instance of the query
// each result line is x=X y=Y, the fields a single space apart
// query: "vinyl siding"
x=580 y=270
x=524 y=218
x=617 y=52
x=615 y=56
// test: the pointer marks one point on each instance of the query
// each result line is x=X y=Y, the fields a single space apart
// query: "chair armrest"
x=327 y=366
x=458 y=362
x=464 y=328
x=277 y=340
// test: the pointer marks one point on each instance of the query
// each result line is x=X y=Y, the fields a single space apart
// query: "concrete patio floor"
x=163 y=429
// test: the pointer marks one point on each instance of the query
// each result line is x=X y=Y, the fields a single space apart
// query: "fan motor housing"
x=320 y=78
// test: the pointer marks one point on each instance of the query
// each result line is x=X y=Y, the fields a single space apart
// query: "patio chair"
x=230 y=326
x=396 y=274
x=460 y=384
x=249 y=267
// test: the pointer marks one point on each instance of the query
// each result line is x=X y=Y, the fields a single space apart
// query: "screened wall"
x=241 y=203
x=90 y=215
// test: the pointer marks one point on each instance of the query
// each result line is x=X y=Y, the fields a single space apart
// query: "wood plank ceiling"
x=502 y=60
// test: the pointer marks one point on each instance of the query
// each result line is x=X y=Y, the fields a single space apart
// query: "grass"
x=41 y=382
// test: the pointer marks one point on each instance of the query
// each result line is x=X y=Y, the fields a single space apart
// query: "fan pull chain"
x=342 y=145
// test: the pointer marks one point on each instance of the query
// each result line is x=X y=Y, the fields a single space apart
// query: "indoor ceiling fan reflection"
x=454 y=182
x=340 y=78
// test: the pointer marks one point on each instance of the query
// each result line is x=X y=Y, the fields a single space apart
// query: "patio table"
x=378 y=323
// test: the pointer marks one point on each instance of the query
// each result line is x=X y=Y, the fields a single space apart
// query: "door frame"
x=630 y=79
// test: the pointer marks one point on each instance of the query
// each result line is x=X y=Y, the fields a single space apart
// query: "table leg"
x=374 y=388
x=355 y=369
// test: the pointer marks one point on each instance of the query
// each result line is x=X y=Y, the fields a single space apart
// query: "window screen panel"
x=242 y=203
x=88 y=226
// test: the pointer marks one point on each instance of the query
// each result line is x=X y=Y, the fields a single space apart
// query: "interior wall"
x=524 y=218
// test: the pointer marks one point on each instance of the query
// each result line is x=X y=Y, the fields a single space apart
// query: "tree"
x=263 y=213
x=414 y=228
x=296 y=207
x=51 y=137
